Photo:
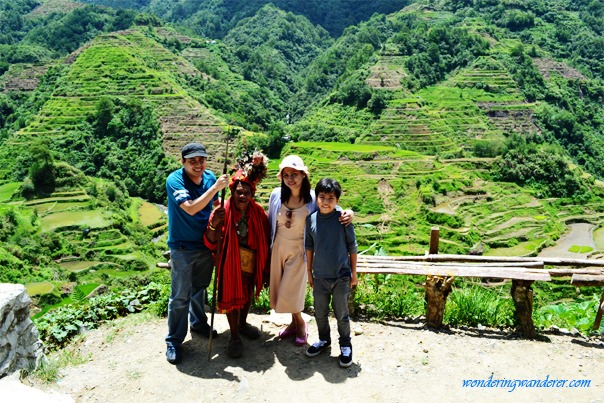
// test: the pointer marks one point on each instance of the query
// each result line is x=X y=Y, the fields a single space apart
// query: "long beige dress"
x=288 y=267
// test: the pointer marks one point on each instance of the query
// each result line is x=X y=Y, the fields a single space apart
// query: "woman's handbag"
x=248 y=260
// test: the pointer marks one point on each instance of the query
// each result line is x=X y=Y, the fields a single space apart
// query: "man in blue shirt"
x=191 y=192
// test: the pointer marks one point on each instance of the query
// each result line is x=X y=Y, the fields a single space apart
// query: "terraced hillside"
x=388 y=72
x=479 y=102
x=399 y=195
x=548 y=67
x=92 y=235
x=22 y=77
x=128 y=64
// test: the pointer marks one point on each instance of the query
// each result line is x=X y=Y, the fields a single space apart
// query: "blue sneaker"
x=173 y=355
x=317 y=348
x=346 y=356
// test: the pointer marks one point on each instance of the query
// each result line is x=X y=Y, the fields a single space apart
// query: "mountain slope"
x=499 y=70
x=130 y=65
x=274 y=47
x=215 y=18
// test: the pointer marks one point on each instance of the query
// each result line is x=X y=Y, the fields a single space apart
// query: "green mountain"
x=215 y=18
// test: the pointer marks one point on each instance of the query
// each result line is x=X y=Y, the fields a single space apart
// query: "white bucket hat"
x=292 y=161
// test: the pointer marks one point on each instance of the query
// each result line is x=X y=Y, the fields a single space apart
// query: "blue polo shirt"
x=184 y=230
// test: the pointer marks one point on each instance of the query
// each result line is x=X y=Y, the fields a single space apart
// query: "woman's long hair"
x=286 y=192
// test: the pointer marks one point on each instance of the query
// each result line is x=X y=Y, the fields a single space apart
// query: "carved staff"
x=218 y=252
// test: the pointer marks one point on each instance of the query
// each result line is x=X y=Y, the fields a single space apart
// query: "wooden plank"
x=361 y=260
x=518 y=273
x=531 y=266
x=582 y=280
x=570 y=272
x=485 y=259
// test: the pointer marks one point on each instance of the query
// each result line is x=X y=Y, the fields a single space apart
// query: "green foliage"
x=123 y=143
x=78 y=295
x=382 y=296
x=488 y=148
x=577 y=314
x=65 y=33
x=273 y=46
x=13 y=25
x=42 y=171
x=216 y=18
x=436 y=51
x=58 y=327
x=348 y=54
x=475 y=305
x=444 y=219
x=543 y=169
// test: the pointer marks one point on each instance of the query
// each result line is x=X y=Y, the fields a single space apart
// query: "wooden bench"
x=440 y=276
x=440 y=271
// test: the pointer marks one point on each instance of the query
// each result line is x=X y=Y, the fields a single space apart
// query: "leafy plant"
x=58 y=327
x=577 y=314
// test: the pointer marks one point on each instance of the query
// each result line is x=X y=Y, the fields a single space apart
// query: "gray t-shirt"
x=332 y=243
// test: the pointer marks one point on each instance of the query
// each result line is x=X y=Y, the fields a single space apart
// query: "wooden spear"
x=218 y=253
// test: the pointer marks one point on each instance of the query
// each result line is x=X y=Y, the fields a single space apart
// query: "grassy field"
x=150 y=214
x=79 y=265
x=87 y=218
x=7 y=190
x=39 y=288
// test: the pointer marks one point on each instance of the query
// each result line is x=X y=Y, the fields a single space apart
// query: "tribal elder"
x=242 y=267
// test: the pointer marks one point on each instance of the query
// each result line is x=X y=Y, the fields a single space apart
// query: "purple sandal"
x=300 y=341
x=287 y=332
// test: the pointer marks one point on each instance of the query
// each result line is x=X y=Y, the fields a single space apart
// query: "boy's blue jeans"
x=336 y=290
x=191 y=275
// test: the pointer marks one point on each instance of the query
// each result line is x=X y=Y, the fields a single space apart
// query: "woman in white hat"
x=288 y=207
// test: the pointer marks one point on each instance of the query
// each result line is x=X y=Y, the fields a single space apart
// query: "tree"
x=42 y=171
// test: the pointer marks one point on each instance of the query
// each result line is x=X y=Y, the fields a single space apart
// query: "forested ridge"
x=483 y=117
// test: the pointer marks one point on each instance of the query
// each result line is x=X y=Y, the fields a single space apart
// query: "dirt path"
x=393 y=362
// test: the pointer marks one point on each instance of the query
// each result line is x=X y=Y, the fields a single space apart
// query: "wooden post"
x=434 y=237
x=522 y=294
x=438 y=289
x=598 y=320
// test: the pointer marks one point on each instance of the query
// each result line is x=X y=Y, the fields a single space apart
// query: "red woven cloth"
x=231 y=292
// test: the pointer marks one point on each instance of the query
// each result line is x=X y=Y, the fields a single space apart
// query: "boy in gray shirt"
x=331 y=251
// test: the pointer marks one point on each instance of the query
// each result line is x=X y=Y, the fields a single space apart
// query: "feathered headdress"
x=251 y=169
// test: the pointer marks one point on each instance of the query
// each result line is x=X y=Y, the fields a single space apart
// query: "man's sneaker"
x=173 y=355
x=345 y=356
x=317 y=348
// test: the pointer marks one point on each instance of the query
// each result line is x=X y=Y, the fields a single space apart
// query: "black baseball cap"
x=192 y=150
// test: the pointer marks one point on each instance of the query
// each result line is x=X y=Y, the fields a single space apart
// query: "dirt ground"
x=393 y=361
